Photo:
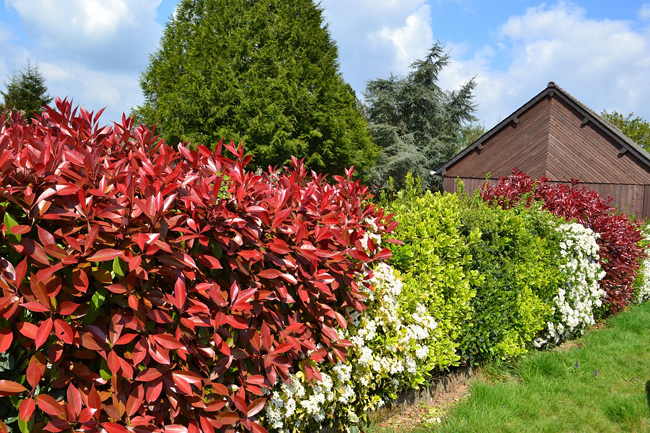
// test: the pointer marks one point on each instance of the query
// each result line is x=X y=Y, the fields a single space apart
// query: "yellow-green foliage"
x=517 y=260
x=435 y=264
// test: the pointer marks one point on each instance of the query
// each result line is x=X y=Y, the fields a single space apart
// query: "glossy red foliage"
x=162 y=290
x=620 y=236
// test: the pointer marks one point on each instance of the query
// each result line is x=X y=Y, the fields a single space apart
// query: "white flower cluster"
x=387 y=350
x=575 y=304
x=643 y=289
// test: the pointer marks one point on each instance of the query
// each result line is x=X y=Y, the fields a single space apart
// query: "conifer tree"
x=26 y=92
x=264 y=72
x=417 y=125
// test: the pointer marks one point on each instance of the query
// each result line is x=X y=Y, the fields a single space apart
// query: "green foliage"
x=636 y=128
x=435 y=263
x=26 y=92
x=417 y=125
x=517 y=257
x=262 y=72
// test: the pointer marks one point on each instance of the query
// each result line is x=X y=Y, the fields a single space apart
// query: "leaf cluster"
x=147 y=289
x=621 y=248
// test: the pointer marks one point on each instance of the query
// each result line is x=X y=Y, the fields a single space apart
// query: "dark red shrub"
x=149 y=289
x=620 y=237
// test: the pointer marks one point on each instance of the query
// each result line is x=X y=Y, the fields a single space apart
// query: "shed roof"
x=552 y=90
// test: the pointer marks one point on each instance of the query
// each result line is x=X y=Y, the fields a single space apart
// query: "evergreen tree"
x=264 y=72
x=26 y=92
x=417 y=125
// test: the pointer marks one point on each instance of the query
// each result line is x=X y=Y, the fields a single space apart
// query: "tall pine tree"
x=26 y=92
x=260 y=71
x=417 y=125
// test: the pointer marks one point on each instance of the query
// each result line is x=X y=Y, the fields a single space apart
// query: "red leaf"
x=57 y=425
x=113 y=362
x=94 y=399
x=7 y=388
x=6 y=337
x=29 y=330
x=43 y=332
x=34 y=373
x=188 y=376
x=74 y=400
x=148 y=375
x=35 y=251
x=256 y=407
x=67 y=308
x=36 y=307
x=269 y=274
x=227 y=418
x=103 y=255
x=112 y=427
x=182 y=385
x=168 y=341
x=26 y=410
x=175 y=428
x=63 y=331
x=258 y=428
x=180 y=294
x=49 y=405
x=80 y=280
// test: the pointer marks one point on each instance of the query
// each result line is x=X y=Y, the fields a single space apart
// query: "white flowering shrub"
x=642 y=284
x=575 y=303
x=389 y=352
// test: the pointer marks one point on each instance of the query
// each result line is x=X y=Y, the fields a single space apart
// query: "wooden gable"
x=556 y=136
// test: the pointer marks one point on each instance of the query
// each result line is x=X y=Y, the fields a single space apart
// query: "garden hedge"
x=146 y=288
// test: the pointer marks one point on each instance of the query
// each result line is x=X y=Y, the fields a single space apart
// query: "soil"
x=430 y=412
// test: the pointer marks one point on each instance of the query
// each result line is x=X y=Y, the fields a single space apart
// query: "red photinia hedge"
x=620 y=249
x=149 y=289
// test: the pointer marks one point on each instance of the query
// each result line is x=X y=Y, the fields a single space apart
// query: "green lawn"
x=601 y=385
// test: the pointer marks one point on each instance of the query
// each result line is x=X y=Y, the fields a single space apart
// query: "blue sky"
x=599 y=51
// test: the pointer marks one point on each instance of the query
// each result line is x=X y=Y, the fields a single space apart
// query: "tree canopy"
x=26 y=92
x=263 y=72
x=417 y=125
x=634 y=127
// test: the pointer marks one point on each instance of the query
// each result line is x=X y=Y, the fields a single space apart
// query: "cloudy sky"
x=598 y=50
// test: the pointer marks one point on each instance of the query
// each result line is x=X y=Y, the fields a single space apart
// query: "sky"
x=93 y=51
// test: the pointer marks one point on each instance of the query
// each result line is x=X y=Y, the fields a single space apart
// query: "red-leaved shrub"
x=620 y=249
x=149 y=289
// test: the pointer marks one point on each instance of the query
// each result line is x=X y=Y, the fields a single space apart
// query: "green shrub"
x=435 y=264
x=517 y=259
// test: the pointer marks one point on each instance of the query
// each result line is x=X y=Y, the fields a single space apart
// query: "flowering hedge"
x=149 y=289
x=619 y=237
x=580 y=294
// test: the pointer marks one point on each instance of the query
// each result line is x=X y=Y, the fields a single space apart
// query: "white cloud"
x=92 y=51
x=378 y=37
x=644 y=12
x=108 y=34
x=412 y=41
x=603 y=63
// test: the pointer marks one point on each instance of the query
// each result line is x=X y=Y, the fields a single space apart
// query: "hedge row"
x=151 y=289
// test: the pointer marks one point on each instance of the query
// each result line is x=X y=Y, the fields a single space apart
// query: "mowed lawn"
x=598 y=383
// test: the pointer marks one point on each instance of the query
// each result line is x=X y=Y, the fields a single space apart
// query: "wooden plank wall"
x=522 y=145
x=631 y=199
x=585 y=152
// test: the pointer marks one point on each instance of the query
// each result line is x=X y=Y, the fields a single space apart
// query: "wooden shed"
x=556 y=136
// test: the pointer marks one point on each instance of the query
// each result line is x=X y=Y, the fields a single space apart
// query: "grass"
x=599 y=384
